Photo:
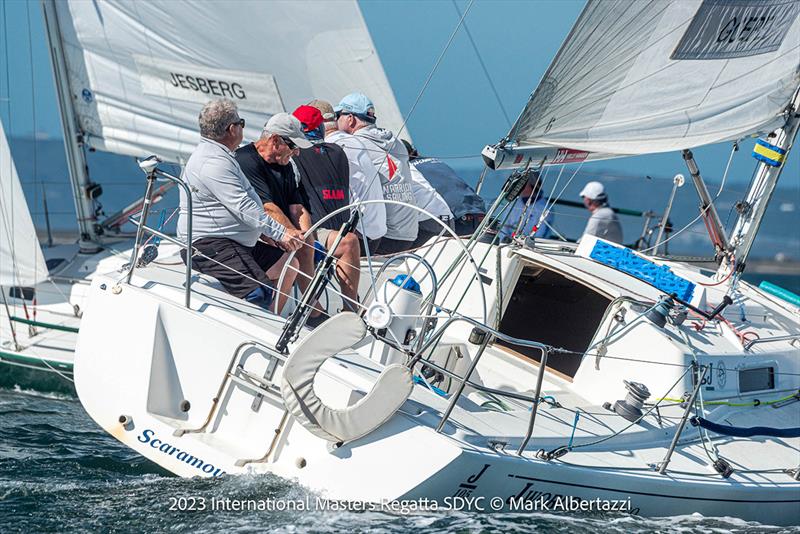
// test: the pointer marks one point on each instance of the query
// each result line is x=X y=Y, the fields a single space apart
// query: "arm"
x=272 y=209
x=300 y=216
x=227 y=183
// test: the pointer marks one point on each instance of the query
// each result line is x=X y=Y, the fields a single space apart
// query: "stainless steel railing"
x=490 y=334
x=149 y=166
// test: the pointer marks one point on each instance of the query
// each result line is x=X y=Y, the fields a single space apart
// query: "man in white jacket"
x=356 y=115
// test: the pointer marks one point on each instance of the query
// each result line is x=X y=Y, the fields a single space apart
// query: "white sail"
x=140 y=71
x=639 y=76
x=21 y=259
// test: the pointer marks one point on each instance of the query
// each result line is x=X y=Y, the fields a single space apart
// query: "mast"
x=76 y=159
x=758 y=197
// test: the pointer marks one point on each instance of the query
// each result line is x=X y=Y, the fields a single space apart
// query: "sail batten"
x=639 y=77
x=139 y=72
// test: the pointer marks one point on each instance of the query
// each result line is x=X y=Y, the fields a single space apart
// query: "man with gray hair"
x=227 y=217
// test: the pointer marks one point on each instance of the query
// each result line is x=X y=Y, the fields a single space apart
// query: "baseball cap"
x=593 y=191
x=288 y=126
x=309 y=116
x=325 y=108
x=358 y=104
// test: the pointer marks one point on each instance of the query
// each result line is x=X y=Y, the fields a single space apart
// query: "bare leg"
x=347 y=268
x=274 y=273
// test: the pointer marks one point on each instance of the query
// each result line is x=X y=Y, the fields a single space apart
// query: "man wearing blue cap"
x=356 y=115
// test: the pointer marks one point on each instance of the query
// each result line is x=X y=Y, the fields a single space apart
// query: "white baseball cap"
x=287 y=126
x=593 y=191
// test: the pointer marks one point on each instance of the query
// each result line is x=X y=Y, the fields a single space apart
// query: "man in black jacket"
x=325 y=179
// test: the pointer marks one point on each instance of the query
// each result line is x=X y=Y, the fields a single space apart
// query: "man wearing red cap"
x=325 y=179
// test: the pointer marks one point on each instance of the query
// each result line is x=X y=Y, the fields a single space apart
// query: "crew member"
x=227 y=216
x=363 y=184
x=356 y=115
x=603 y=222
x=265 y=163
x=325 y=180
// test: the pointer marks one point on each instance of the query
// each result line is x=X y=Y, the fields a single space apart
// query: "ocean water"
x=59 y=472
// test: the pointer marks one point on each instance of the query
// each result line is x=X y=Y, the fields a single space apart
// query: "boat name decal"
x=148 y=437
x=466 y=488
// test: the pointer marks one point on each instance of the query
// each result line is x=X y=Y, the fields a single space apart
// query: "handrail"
x=215 y=401
x=490 y=335
x=752 y=342
x=150 y=167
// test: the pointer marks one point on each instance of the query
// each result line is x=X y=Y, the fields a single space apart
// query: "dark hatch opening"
x=550 y=308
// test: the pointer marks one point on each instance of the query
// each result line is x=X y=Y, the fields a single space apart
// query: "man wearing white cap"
x=603 y=222
x=356 y=115
x=265 y=163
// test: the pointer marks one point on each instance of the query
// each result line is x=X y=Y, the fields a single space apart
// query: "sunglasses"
x=240 y=122
x=289 y=142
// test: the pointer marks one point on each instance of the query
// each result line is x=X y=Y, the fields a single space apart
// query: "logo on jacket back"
x=392 y=167
x=333 y=194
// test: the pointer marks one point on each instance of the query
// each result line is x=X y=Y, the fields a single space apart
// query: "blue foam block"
x=659 y=276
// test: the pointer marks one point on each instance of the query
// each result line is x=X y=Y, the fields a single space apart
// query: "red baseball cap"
x=309 y=116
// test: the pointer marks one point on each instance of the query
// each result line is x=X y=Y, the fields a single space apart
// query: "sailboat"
x=533 y=376
x=132 y=96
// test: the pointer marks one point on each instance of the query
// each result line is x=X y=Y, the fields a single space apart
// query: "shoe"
x=313 y=322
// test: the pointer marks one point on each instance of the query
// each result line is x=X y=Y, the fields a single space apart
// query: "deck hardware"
x=185 y=405
x=126 y=421
x=537 y=397
x=476 y=336
x=663 y=466
x=723 y=468
x=631 y=407
x=229 y=376
x=463 y=381
x=497 y=445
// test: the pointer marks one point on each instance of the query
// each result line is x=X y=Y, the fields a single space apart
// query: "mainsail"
x=21 y=259
x=139 y=72
x=644 y=76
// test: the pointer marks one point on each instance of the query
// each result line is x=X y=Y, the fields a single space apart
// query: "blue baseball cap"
x=357 y=104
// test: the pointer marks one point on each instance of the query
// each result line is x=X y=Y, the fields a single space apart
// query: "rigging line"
x=436 y=66
x=425 y=85
x=35 y=144
x=483 y=66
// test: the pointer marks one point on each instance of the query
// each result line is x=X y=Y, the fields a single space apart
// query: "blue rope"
x=745 y=432
x=574 y=426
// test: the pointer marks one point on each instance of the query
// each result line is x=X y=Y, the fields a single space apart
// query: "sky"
x=457 y=115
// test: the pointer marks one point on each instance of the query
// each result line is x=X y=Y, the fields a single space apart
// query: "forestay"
x=637 y=76
x=21 y=259
x=139 y=72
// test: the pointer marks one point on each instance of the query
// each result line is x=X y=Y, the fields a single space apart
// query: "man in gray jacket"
x=356 y=116
x=227 y=215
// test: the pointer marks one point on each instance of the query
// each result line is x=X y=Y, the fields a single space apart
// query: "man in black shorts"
x=227 y=218
x=265 y=163
x=325 y=179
